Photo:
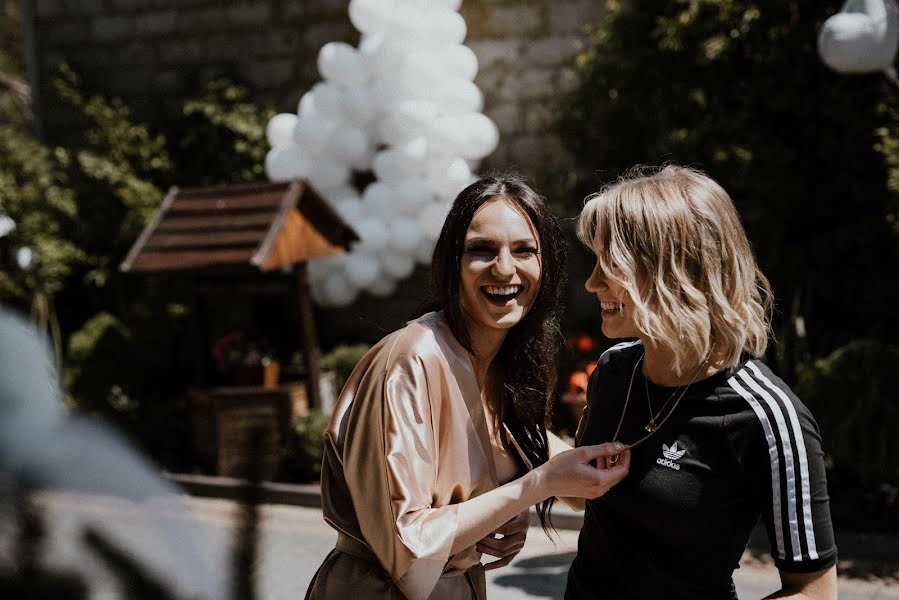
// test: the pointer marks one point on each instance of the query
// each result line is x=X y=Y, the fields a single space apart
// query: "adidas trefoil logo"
x=672 y=455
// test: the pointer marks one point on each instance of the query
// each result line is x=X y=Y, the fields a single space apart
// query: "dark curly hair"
x=527 y=356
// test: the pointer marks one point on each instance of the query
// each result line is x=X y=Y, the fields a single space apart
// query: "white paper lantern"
x=283 y=163
x=279 y=131
x=339 y=62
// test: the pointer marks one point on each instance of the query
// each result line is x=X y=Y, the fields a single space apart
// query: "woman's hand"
x=586 y=472
x=508 y=546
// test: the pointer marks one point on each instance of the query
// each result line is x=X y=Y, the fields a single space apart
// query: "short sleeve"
x=779 y=446
x=389 y=464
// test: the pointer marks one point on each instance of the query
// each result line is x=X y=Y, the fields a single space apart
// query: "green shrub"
x=303 y=450
x=854 y=395
x=342 y=360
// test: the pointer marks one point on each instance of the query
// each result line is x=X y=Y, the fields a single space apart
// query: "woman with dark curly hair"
x=438 y=441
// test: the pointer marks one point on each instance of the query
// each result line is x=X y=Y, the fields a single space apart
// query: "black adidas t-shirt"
x=740 y=445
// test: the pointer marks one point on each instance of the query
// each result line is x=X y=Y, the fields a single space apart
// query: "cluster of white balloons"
x=25 y=256
x=403 y=105
x=861 y=38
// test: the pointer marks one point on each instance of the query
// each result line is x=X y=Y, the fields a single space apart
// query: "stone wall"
x=154 y=53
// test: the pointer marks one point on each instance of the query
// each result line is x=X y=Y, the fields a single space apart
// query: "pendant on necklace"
x=651 y=427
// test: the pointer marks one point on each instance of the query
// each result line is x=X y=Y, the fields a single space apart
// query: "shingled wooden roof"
x=263 y=226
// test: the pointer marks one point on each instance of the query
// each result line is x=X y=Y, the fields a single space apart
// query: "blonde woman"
x=717 y=440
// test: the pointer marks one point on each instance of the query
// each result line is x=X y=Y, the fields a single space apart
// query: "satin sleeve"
x=390 y=466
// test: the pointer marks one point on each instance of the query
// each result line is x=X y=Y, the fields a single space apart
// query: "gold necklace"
x=651 y=426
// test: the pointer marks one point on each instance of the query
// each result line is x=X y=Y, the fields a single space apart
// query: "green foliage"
x=853 y=394
x=342 y=360
x=302 y=456
x=223 y=138
x=736 y=88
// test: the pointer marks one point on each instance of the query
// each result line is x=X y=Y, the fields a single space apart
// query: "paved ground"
x=295 y=539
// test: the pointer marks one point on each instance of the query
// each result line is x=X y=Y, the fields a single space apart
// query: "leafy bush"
x=854 y=395
x=342 y=360
x=304 y=449
x=735 y=87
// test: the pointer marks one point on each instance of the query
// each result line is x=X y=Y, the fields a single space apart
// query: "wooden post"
x=308 y=336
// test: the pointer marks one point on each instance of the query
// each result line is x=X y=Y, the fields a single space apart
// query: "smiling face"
x=617 y=305
x=500 y=269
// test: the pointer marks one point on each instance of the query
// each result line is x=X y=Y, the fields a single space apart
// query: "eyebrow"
x=480 y=239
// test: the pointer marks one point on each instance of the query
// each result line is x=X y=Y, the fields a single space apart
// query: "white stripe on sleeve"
x=773 y=456
x=804 y=479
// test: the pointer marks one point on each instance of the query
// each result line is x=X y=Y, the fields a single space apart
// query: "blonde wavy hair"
x=672 y=238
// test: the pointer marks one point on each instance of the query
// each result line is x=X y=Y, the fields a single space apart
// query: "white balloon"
x=348 y=143
x=408 y=120
x=862 y=38
x=412 y=194
x=459 y=61
x=337 y=291
x=381 y=287
x=424 y=252
x=363 y=163
x=325 y=173
x=25 y=258
x=397 y=266
x=389 y=90
x=431 y=219
x=306 y=106
x=359 y=104
x=341 y=63
x=448 y=176
x=361 y=269
x=406 y=21
x=422 y=72
x=6 y=225
x=473 y=136
x=458 y=96
x=338 y=193
x=312 y=134
x=373 y=236
x=405 y=235
x=283 y=163
x=392 y=166
x=371 y=16
x=328 y=101
x=377 y=200
x=350 y=210
x=442 y=25
x=318 y=269
x=279 y=131
x=450 y=4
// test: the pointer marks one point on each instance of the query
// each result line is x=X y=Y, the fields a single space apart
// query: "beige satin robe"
x=407 y=442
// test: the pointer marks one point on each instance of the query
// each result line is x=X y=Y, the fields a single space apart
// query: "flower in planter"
x=233 y=351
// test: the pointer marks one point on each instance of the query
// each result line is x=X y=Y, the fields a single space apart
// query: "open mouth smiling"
x=500 y=294
x=612 y=306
